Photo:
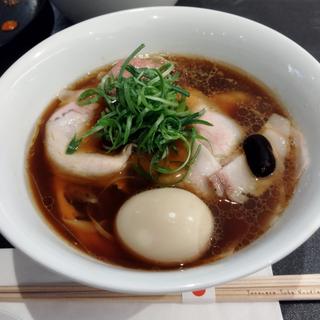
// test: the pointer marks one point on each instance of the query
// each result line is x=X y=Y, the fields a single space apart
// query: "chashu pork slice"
x=236 y=180
x=225 y=134
x=147 y=62
x=204 y=166
x=67 y=122
x=222 y=139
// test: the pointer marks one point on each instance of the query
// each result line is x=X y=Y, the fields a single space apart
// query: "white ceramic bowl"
x=78 y=10
x=29 y=85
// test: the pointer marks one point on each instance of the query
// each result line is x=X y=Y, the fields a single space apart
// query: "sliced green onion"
x=147 y=109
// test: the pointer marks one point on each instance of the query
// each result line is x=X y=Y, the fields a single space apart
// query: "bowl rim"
x=164 y=284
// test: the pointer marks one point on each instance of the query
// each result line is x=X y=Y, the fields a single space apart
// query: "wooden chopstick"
x=274 y=288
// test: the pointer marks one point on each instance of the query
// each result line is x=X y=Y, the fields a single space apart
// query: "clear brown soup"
x=237 y=225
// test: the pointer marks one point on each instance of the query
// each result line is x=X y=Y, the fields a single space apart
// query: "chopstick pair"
x=262 y=289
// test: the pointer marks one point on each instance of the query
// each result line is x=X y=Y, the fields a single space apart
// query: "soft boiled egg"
x=167 y=226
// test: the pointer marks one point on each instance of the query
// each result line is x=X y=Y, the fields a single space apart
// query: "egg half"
x=167 y=226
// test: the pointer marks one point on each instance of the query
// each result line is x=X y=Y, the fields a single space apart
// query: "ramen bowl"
x=35 y=79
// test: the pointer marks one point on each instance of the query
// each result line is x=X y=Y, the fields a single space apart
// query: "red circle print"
x=199 y=293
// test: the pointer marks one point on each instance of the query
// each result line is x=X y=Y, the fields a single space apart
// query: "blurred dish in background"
x=23 y=12
x=11 y=2
x=78 y=10
x=23 y=23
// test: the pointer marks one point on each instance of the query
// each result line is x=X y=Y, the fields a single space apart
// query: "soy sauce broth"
x=236 y=225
